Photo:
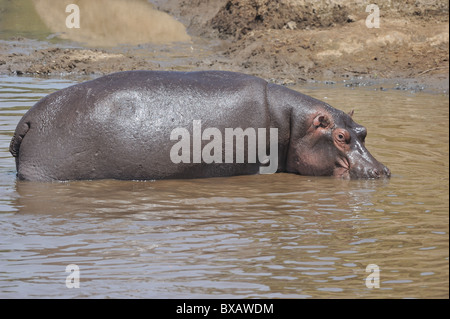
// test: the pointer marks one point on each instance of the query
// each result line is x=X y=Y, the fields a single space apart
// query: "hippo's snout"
x=370 y=171
x=362 y=164
x=379 y=172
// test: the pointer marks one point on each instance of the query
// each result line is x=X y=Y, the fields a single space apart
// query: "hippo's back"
x=118 y=126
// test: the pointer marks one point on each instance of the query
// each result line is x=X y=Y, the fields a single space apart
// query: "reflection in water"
x=268 y=236
x=254 y=235
x=112 y=22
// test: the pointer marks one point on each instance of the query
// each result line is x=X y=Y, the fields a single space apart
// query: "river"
x=264 y=236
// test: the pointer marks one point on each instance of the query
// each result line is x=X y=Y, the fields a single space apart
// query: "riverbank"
x=288 y=42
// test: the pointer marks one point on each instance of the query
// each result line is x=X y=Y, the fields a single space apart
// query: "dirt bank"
x=287 y=41
x=297 y=40
x=20 y=58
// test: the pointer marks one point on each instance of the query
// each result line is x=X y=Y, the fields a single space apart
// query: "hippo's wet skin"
x=119 y=127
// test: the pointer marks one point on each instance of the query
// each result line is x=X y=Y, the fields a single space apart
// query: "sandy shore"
x=286 y=42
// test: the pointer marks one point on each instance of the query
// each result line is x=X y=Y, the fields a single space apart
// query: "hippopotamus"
x=152 y=125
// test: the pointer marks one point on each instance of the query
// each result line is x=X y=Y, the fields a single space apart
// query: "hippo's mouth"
x=342 y=169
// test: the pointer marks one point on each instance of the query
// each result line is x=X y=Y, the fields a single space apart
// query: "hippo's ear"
x=351 y=113
x=321 y=120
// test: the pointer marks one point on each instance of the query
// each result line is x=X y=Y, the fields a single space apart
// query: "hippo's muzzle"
x=363 y=165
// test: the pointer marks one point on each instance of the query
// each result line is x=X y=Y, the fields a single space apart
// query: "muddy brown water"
x=271 y=236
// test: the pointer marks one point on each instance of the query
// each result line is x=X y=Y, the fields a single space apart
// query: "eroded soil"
x=288 y=41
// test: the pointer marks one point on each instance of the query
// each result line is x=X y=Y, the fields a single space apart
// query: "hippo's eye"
x=342 y=136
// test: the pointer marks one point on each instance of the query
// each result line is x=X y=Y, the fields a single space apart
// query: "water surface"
x=271 y=236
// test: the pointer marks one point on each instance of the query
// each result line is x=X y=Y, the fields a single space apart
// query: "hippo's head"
x=333 y=145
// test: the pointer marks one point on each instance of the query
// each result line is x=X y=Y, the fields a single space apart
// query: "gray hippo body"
x=121 y=126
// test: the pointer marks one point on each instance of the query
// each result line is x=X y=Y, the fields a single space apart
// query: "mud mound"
x=347 y=51
x=238 y=17
x=194 y=14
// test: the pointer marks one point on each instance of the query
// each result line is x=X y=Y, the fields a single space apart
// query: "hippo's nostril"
x=374 y=173
x=386 y=171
